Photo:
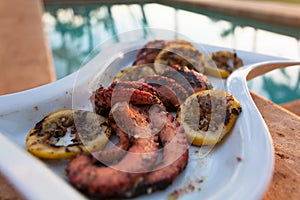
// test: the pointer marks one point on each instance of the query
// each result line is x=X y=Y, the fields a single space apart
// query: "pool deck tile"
x=287 y=14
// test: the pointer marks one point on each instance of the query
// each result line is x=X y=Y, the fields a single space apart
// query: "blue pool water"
x=74 y=31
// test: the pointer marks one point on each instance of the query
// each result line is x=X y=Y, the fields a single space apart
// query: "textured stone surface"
x=25 y=59
x=284 y=127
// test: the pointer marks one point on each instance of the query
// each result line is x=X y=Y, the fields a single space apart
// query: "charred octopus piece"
x=174 y=161
x=183 y=75
x=114 y=154
x=135 y=92
x=119 y=179
x=169 y=91
x=148 y=53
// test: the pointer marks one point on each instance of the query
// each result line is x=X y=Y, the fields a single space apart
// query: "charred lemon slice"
x=207 y=116
x=179 y=54
x=225 y=62
x=134 y=73
x=86 y=130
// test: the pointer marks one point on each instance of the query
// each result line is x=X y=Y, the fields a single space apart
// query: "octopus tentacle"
x=188 y=78
x=175 y=158
x=114 y=154
x=131 y=91
x=169 y=91
x=148 y=53
x=84 y=173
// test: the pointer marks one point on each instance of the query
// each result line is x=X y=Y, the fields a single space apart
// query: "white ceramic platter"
x=239 y=168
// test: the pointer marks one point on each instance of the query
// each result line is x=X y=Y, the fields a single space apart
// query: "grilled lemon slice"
x=225 y=62
x=207 y=116
x=179 y=54
x=87 y=132
x=134 y=73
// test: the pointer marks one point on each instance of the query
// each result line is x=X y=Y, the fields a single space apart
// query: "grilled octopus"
x=177 y=83
x=130 y=91
x=137 y=173
x=188 y=78
x=118 y=180
x=149 y=52
x=115 y=153
x=174 y=161
x=169 y=91
x=125 y=91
